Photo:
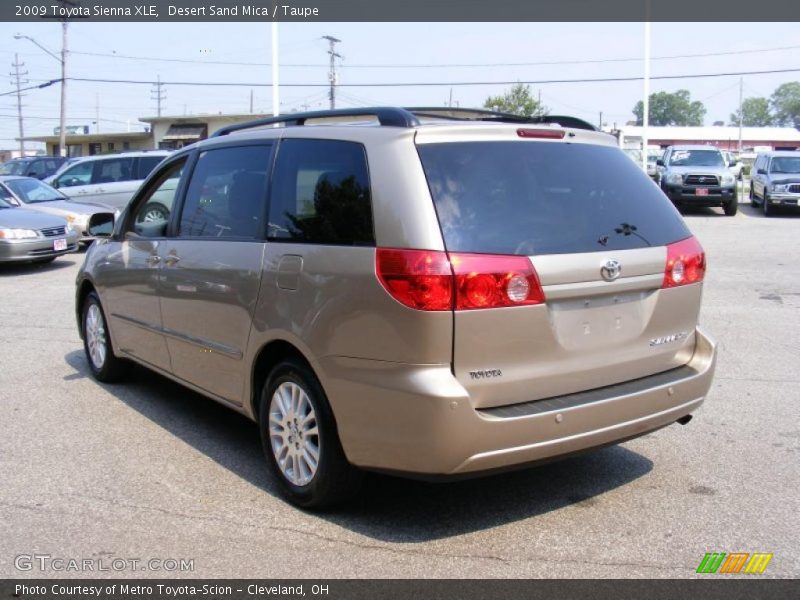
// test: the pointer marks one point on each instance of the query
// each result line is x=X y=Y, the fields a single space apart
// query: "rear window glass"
x=545 y=198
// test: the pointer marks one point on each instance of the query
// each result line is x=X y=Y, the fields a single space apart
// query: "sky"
x=382 y=53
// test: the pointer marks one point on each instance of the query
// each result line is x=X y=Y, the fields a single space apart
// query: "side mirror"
x=732 y=163
x=101 y=225
x=659 y=162
x=762 y=171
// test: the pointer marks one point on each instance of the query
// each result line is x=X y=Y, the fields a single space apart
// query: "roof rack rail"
x=388 y=116
x=480 y=114
x=391 y=116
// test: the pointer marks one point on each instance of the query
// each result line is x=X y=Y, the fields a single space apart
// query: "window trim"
x=178 y=206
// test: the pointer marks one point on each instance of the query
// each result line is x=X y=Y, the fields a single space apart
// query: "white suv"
x=107 y=179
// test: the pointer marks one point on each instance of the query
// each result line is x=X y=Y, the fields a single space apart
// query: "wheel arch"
x=85 y=288
x=269 y=355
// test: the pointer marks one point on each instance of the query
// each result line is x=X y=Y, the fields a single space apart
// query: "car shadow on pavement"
x=18 y=269
x=390 y=509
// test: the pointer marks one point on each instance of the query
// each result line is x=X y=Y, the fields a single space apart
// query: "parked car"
x=736 y=165
x=32 y=166
x=109 y=179
x=436 y=299
x=36 y=195
x=26 y=236
x=698 y=176
x=775 y=180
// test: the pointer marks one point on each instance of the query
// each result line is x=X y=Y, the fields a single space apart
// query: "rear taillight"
x=491 y=281
x=420 y=279
x=432 y=280
x=686 y=263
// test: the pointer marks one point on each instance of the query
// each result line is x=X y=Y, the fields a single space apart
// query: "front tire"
x=105 y=366
x=300 y=441
x=768 y=210
x=731 y=208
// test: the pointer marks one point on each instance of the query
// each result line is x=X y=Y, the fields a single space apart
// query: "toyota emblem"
x=611 y=269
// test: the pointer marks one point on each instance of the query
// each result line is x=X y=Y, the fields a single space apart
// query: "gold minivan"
x=430 y=292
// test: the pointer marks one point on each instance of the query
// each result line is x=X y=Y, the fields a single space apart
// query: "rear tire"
x=752 y=195
x=300 y=441
x=731 y=208
x=105 y=366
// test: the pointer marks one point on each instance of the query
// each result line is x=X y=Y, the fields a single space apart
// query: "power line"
x=440 y=65
x=32 y=87
x=438 y=83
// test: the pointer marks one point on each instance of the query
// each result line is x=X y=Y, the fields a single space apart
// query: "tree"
x=517 y=101
x=756 y=113
x=785 y=102
x=671 y=109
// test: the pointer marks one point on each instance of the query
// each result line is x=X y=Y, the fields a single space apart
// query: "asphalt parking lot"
x=148 y=469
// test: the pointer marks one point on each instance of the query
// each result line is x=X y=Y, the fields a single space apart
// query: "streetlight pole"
x=62 y=133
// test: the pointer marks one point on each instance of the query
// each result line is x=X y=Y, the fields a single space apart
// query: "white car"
x=109 y=179
x=737 y=166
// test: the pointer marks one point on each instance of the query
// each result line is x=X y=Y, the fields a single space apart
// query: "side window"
x=113 y=170
x=80 y=174
x=321 y=194
x=153 y=209
x=227 y=194
x=37 y=168
x=146 y=165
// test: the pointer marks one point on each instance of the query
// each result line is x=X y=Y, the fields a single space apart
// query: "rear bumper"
x=419 y=420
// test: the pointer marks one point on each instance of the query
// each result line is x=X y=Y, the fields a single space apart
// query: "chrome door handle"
x=171 y=260
x=153 y=260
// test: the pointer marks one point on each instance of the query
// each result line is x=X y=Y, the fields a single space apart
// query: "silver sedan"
x=36 y=195
x=27 y=236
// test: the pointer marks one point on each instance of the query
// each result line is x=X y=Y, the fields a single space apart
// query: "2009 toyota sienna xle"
x=420 y=291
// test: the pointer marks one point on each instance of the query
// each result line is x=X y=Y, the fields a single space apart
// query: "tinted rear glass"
x=545 y=198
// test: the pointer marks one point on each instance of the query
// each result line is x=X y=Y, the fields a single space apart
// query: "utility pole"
x=62 y=137
x=332 y=41
x=19 y=81
x=62 y=120
x=646 y=91
x=251 y=102
x=158 y=95
x=450 y=102
x=276 y=86
x=741 y=112
x=97 y=110
x=600 y=124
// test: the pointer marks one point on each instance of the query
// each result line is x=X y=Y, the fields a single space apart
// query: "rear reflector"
x=434 y=280
x=548 y=134
x=686 y=263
